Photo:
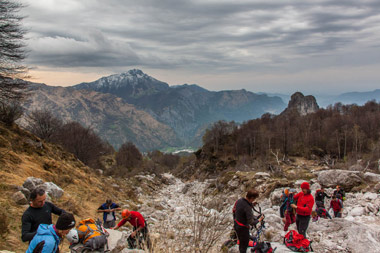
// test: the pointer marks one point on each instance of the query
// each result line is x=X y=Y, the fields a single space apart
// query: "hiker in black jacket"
x=243 y=218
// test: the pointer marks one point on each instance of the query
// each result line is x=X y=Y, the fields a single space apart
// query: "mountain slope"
x=185 y=108
x=111 y=117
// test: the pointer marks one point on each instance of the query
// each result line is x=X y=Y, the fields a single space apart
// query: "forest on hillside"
x=339 y=133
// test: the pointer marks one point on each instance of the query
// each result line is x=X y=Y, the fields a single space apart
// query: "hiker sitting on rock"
x=140 y=228
x=337 y=205
x=48 y=237
x=108 y=209
x=304 y=207
x=243 y=218
x=288 y=213
x=39 y=212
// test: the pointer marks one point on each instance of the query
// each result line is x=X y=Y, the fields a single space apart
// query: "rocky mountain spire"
x=302 y=104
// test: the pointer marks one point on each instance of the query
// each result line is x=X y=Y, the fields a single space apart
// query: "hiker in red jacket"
x=304 y=207
x=337 y=205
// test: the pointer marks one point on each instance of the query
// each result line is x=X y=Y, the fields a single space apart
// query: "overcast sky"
x=318 y=46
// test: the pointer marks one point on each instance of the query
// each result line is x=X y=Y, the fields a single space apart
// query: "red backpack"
x=297 y=242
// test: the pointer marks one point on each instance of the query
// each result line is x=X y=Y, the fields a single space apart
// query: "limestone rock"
x=19 y=198
x=344 y=178
x=370 y=196
x=301 y=104
x=356 y=167
x=25 y=191
x=275 y=197
x=32 y=182
x=262 y=175
x=53 y=190
x=372 y=177
x=357 y=211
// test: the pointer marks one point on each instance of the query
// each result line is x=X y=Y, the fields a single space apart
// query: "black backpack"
x=263 y=247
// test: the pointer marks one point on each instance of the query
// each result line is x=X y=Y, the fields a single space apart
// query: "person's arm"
x=48 y=247
x=102 y=210
x=56 y=210
x=327 y=196
x=116 y=208
x=26 y=227
x=307 y=207
x=121 y=223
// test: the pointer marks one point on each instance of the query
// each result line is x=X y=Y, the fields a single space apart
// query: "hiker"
x=320 y=195
x=140 y=228
x=288 y=213
x=243 y=218
x=108 y=209
x=340 y=193
x=90 y=233
x=337 y=205
x=48 y=237
x=304 y=207
x=321 y=210
x=39 y=212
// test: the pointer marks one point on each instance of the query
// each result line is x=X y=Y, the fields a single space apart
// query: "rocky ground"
x=196 y=216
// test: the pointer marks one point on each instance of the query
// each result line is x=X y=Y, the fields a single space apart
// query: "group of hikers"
x=45 y=237
x=295 y=208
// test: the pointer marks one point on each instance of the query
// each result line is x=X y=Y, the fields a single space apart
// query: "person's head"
x=65 y=223
x=252 y=195
x=286 y=192
x=322 y=189
x=334 y=197
x=37 y=198
x=125 y=214
x=109 y=202
x=337 y=187
x=305 y=186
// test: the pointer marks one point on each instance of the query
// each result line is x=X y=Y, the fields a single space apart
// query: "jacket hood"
x=44 y=229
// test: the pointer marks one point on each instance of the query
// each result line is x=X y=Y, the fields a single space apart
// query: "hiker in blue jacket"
x=48 y=237
x=108 y=209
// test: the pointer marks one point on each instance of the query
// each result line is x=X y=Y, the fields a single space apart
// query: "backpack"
x=92 y=234
x=297 y=242
x=263 y=247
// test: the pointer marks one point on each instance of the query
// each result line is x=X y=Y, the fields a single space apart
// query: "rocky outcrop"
x=302 y=104
x=344 y=178
x=32 y=183
x=19 y=198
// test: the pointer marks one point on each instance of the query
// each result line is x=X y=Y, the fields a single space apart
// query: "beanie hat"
x=65 y=221
x=305 y=185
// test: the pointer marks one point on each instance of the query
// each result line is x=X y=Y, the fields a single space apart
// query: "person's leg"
x=243 y=237
x=328 y=214
x=288 y=221
x=297 y=222
x=335 y=214
x=292 y=218
x=303 y=224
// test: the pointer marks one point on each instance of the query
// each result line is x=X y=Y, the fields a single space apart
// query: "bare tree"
x=12 y=51
x=43 y=124
x=128 y=156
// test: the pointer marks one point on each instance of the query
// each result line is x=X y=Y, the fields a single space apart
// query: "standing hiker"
x=320 y=195
x=339 y=193
x=48 y=237
x=304 y=207
x=108 y=209
x=140 y=228
x=39 y=212
x=243 y=218
x=337 y=205
x=288 y=211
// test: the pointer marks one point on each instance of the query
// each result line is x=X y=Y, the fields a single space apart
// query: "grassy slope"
x=23 y=155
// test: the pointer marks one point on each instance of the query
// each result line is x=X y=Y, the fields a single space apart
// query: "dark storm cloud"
x=199 y=34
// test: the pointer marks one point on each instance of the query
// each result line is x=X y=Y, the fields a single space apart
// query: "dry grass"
x=84 y=190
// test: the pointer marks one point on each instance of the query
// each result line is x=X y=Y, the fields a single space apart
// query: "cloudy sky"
x=319 y=46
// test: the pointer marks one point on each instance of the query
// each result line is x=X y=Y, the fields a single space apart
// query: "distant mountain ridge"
x=187 y=109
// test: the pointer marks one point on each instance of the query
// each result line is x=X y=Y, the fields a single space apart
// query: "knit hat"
x=65 y=221
x=305 y=185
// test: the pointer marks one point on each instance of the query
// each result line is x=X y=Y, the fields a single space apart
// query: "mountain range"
x=134 y=106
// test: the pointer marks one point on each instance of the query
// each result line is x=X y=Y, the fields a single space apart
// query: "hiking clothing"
x=320 y=196
x=243 y=236
x=339 y=192
x=109 y=224
x=47 y=236
x=141 y=235
x=136 y=220
x=305 y=185
x=336 y=205
x=243 y=215
x=290 y=219
x=322 y=212
x=305 y=203
x=106 y=215
x=33 y=217
x=337 y=214
x=302 y=222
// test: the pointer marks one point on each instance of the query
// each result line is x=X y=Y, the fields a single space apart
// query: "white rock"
x=19 y=198
x=53 y=190
x=32 y=182
x=370 y=196
x=357 y=211
x=344 y=178
x=372 y=177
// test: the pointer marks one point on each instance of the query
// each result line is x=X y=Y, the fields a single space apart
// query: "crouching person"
x=48 y=237
x=90 y=234
x=140 y=229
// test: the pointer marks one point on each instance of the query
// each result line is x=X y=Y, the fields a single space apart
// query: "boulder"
x=371 y=177
x=53 y=190
x=370 y=196
x=315 y=187
x=26 y=192
x=370 y=208
x=357 y=211
x=32 y=182
x=19 y=198
x=233 y=184
x=346 y=179
x=262 y=175
x=356 y=167
x=275 y=197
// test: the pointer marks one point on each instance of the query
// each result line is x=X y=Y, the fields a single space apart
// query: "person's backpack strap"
x=39 y=247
